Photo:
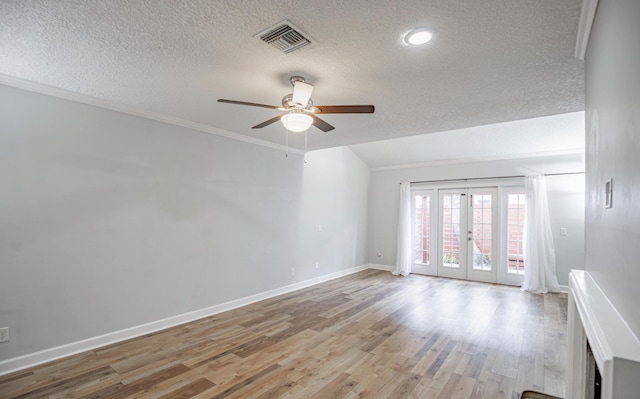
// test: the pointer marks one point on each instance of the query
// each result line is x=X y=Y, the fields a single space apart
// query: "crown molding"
x=125 y=109
x=574 y=151
x=587 y=14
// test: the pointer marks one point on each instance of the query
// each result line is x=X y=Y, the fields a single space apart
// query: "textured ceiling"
x=490 y=61
x=547 y=135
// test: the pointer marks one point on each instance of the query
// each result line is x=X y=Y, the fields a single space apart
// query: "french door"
x=468 y=234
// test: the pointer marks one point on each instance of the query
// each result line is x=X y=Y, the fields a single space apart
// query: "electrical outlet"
x=292 y=271
x=317 y=264
x=4 y=334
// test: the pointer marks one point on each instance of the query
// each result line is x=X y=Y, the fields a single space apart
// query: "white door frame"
x=464 y=268
x=499 y=248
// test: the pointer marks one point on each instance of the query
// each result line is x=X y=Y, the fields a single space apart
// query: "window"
x=482 y=230
x=515 y=232
x=451 y=230
x=422 y=229
x=423 y=220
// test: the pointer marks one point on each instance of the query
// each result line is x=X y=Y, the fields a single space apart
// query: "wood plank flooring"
x=368 y=335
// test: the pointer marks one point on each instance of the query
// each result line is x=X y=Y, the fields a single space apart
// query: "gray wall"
x=109 y=221
x=613 y=151
x=566 y=202
x=565 y=195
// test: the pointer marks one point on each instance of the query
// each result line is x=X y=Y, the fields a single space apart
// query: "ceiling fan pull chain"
x=305 y=145
x=286 y=140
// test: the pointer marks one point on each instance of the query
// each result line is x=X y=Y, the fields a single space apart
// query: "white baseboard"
x=47 y=355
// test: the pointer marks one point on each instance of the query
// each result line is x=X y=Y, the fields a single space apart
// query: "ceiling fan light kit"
x=296 y=121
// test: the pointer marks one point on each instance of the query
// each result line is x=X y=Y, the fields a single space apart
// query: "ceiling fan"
x=300 y=113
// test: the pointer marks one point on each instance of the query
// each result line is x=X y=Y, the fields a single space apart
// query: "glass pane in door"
x=422 y=229
x=482 y=222
x=451 y=230
x=515 y=233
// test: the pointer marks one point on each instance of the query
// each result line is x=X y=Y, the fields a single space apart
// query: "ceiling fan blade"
x=301 y=93
x=345 y=109
x=222 y=100
x=320 y=124
x=268 y=122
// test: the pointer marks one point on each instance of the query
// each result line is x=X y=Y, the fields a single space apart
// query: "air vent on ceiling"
x=285 y=37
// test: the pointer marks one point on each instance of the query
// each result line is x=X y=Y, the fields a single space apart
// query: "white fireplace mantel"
x=591 y=316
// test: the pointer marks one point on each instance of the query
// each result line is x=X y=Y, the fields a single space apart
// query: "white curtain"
x=403 y=259
x=539 y=251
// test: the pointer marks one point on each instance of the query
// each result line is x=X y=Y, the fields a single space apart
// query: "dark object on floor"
x=536 y=395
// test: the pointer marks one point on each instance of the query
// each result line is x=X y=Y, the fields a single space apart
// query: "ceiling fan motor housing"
x=287 y=103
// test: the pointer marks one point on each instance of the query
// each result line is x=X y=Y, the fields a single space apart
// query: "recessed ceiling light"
x=418 y=37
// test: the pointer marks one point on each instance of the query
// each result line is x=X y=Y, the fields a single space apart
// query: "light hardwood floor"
x=368 y=335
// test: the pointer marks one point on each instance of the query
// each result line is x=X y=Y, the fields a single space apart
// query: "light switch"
x=608 y=193
x=563 y=231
